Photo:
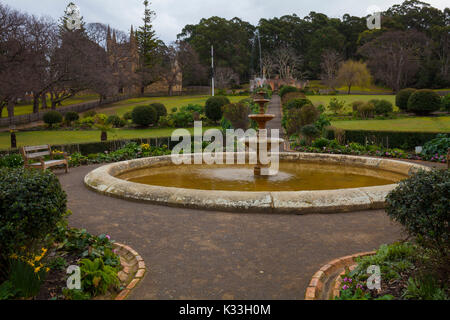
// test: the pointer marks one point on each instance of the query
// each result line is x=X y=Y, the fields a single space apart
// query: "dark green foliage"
x=401 y=100
x=128 y=115
x=438 y=146
x=89 y=114
x=193 y=108
x=366 y=110
x=424 y=101
x=422 y=205
x=13 y=160
x=321 y=143
x=144 y=116
x=310 y=131
x=160 y=109
x=52 y=117
x=182 y=119
x=382 y=107
x=31 y=203
x=297 y=103
x=71 y=116
x=237 y=114
x=286 y=89
x=446 y=102
x=115 y=121
x=213 y=107
x=391 y=139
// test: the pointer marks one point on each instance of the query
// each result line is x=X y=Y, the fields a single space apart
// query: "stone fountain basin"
x=104 y=180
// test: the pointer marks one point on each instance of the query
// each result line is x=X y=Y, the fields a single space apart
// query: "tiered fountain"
x=262 y=138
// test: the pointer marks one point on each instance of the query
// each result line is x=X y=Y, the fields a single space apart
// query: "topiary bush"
x=160 y=110
x=52 y=117
x=382 y=107
x=71 y=116
x=144 y=116
x=424 y=101
x=213 y=107
x=31 y=204
x=421 y=204
x=402 y=97
x=286 y=89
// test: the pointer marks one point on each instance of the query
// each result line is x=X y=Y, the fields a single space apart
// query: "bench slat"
x=36 y=148
x=37 y=155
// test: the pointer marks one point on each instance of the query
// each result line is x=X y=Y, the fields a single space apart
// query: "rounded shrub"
x=127 y=116
x=424 y=101
x=160 y=109
x=310 y=131
x=382 y=107
x=402 y=97
x=309 y=114
x=144 y=116
x=321 y=143
x=298 y=103
x=290 y=96
x=71 y=116
x=421 y=204
x=366 y=110
x=52 y=117
x=213 y=107
x=286 y=89
x=356 y=105
x=31 y=204
x=115 y=121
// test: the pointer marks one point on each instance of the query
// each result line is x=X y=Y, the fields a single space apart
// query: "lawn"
x=121 y=107
x=22 y=109
x=30 y=138
x=422 y=124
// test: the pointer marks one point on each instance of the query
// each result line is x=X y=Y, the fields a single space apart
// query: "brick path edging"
x=318 y=280
x=136 y=266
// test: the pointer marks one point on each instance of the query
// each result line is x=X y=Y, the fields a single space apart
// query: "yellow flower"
x=36 y=270
x=38 y=258
x=47 y=269
x=14 y=256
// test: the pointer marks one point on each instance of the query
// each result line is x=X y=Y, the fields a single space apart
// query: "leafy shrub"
x=309 y=114
x=382 y=107
x=237 y=115
x=321 y=143
x=297 y=103
x=402 y=97
x=115 y=121
x=193 y=108
x=336 y=105
x=424 y=101
x=182 y=119
x=286 y=89
x=87 y=122
x=446 y=102
x=213 y=107
x=52 y=117
x=13 y=160
x=144 y=116
x=438 y=146
x=356 y=105
x=421 y=204
x=31 y=203
x=160 y=110
x=366 y=110
x=71 y=117
x=128 y=116
x=98 y=278
x=90 y=113
x=292 y=95
x=310 y=131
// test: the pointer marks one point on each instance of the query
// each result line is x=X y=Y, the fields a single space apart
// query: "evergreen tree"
x=146 y=38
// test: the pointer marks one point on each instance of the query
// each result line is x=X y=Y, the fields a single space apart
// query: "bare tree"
x=268 y=66
x=286 y=62
x=394 y=57
x=331 y=60
x=225 y=76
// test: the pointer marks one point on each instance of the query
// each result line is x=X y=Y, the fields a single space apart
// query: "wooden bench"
x=38 y=153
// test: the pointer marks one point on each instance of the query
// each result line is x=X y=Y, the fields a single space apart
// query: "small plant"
x=13 y=160
x=321 y=143
x=424 y=288
x=310 y=132
x=52 y=117
x=97 y=278
x=71 y=116
x=336 y=105
x=437 y=147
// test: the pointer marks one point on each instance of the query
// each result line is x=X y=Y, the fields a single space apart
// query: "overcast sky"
x=173 y=15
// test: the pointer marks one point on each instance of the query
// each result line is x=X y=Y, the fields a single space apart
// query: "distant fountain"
x=261 y=140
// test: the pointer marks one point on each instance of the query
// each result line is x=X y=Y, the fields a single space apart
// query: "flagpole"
x=212 y=68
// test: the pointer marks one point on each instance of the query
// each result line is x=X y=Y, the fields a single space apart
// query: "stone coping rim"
x=103 y=180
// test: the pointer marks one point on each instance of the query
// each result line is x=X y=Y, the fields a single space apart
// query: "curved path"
x=193 y=254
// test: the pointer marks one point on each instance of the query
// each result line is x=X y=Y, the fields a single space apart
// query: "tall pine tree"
x=146 y=39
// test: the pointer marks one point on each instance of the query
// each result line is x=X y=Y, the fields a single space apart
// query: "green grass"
x=422 y=124
x=22 y=109
x=30 y=138
x=120 y=108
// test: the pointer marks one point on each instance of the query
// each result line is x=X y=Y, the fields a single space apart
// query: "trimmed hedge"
x=144 y=116
x=391 y=139
x=402 y=97
x=424 y=101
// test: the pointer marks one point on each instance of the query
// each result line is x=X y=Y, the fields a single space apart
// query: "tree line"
x=411 y=48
